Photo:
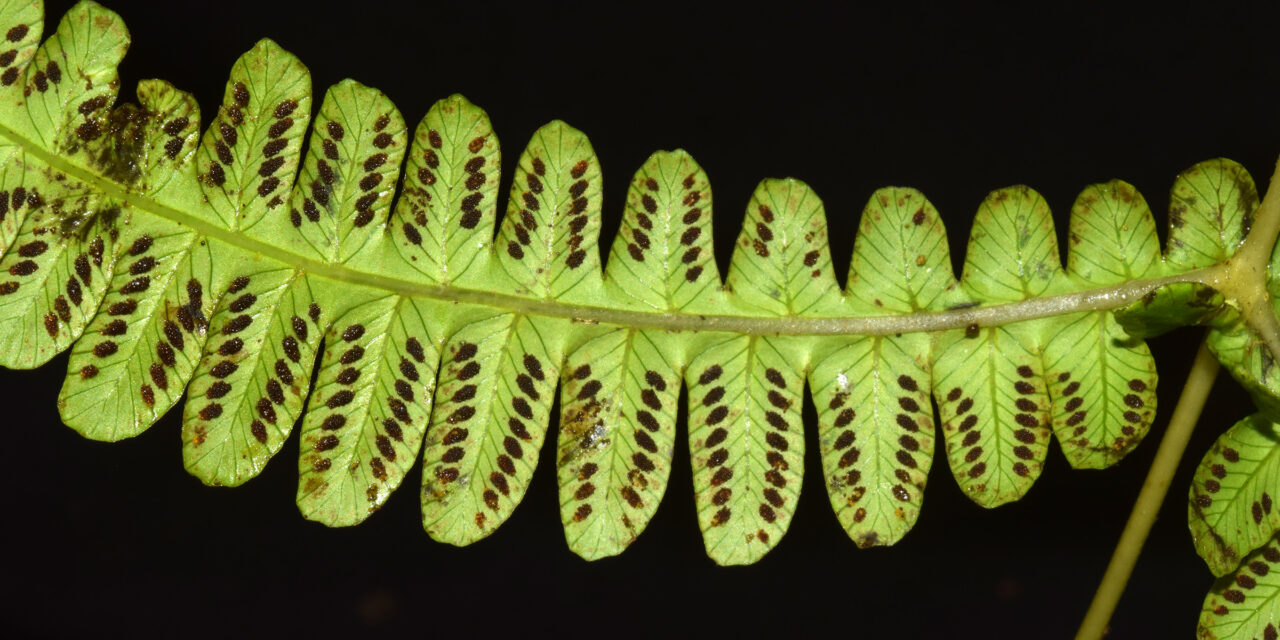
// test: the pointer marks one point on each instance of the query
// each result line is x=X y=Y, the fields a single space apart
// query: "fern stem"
x=1147 y=506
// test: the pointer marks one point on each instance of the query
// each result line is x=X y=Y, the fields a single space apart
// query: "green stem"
x=1172 y=445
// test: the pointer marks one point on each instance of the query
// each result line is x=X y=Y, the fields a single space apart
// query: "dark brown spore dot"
x=465 y=393
x=123 y=308
x=340 y=399
x=647 y=420
x=114 y=328
x=1023 y=453
x=280 y=126
x=646 y=442
x=211 y=411
x=515 y=251
x=512 y=447
x=9 y=77
x=285 y=108
x=353 y=332
x=328 y=442
x=1075 y=418
x=165 y=353
x=105 y=348
x=398 y=410
x=452 y=455
x=1132 y=416
x=1024 y=404
x=1133 y=401
x=32 y=249
x=971 y=439
x=142 y=265
x=223 y=369
x=290 y=347
x=721 y=476
x=158 y=376
x=1271 y=554
x=1025 y=371
x=651 y=400
x=88 y=371
x=242 y=303
x=717 y=415
x=766 y=512
x=17 y=33
x=971 y=331
x=393 y=430
x=11 y=286
x=275 y=392
x=403 y=391
x=1137 y=386
x=347 y=376
x=499 y=481
x=521 y=406
x=1026 y=420
x=9 y=56
x=266 y=411
x=272 y=148
x=148 y=395
x=231 y=347
x=1071 y=389
x=508 y=467
x=1256 y=512
x=24 y=268
x=1230 y=454
x=722 y=496
x=711 y=374
x=461 y=414
x=1023 y=387
x=977 y=470
x=641 y=461
x=776 y=441
x=468 y=371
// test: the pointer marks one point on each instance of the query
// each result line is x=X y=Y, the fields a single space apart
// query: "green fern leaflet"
x=221 y=264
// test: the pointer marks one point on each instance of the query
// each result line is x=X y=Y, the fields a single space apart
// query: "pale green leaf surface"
x=443 y=223
x=1013 y=251
x=1180 y=304
x=1210 y=210
x=345 y=188
x=662 y=258
x=547 y=244
x=992 y=398
x=255 y=371
x=901 y=261
x=746 y=443
x=1103 y=388
x=1112 y=235
x=1230 y=503
x=72 y=77
x=136 y=362
x=876 y=431
x=781 y=264
x=244 y=170
x=1245 y=604
x=368 y=412
x=617 y=437
x=493 y=403
x=193 y=262
x=21 y=23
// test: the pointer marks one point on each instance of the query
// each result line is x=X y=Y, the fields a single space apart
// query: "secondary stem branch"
x=1143 y=516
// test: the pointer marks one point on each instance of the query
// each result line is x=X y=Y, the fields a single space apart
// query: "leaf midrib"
x=1101 y=298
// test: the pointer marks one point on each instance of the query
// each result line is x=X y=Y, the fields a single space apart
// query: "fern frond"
x=223 y=264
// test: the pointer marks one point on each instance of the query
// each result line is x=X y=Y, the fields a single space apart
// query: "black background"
x=114 y=539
